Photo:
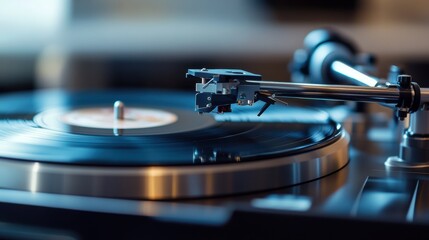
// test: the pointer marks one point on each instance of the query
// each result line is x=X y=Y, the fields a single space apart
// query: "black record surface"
x=239 y=136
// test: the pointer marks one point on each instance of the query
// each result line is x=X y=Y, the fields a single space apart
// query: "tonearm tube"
x=328 y=58
x=231 y=86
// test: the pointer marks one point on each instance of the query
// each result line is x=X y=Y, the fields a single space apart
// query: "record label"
x=104 y=118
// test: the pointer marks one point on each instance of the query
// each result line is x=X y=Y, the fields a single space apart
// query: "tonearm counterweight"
x=329 y=58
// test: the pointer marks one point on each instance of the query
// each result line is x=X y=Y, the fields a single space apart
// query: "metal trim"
x=175 y=182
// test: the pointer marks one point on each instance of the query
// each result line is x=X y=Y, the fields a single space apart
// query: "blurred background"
x=87 y=44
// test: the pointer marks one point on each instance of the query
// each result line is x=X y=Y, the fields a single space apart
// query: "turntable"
x=143 y=163
x=152 y=145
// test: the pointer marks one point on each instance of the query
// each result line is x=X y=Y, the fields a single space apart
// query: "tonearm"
x=328 y=58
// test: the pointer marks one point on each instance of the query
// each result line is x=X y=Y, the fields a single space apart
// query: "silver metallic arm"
x=331 y=92
x=233 y=86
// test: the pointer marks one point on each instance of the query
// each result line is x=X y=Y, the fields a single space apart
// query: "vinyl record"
x=159 y=148
x=78 y=128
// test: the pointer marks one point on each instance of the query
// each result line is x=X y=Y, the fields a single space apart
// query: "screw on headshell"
x=203 y=80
